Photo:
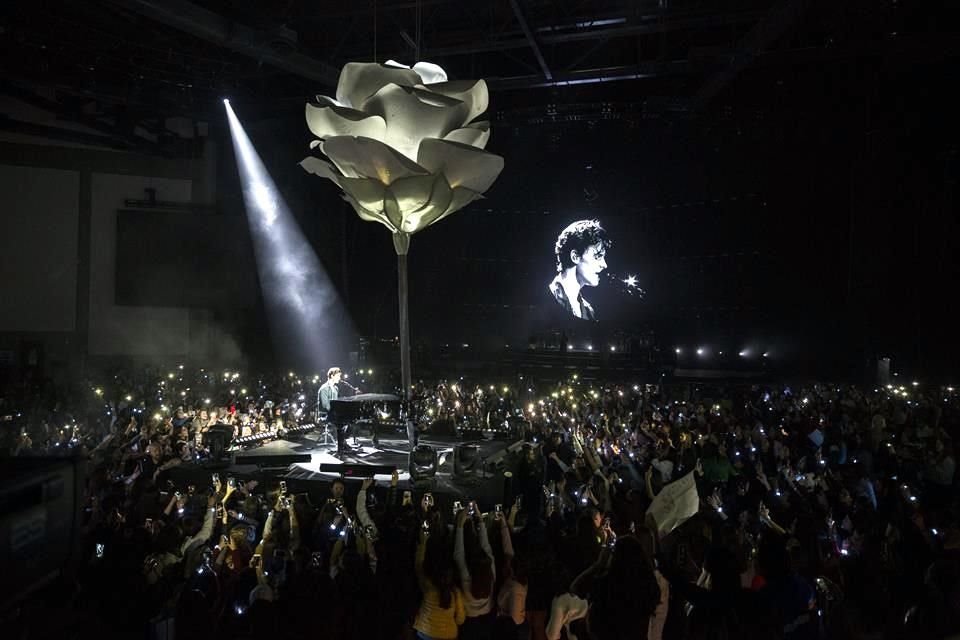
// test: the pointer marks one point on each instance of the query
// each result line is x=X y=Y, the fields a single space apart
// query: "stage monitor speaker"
x=39 y=524
x=280 y=460
x=518 y=427
x=216 y=438
x=423 y=462
x=444 y=427
x=466 y=460
x=358 y=470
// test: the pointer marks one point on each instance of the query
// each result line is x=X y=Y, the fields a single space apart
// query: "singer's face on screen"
x=591 y=264
x=336 y=378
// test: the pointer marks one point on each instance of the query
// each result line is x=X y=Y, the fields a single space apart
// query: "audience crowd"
x=820 y=511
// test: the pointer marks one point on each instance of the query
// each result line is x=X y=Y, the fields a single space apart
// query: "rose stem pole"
x=405 y=375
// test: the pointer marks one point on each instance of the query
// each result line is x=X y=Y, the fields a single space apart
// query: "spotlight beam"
x=303 y=306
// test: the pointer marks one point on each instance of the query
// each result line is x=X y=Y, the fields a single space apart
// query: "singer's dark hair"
x=577 y=237
x=332 y=371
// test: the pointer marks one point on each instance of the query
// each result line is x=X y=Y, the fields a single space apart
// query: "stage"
x=273 y=461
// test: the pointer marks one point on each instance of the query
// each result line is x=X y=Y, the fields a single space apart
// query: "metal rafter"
x=522 y=19
x=213 y=27
x=647 y=27
x=780 y=18
x=67 y=115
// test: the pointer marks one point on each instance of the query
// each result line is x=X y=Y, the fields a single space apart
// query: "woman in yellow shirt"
x=441 y=611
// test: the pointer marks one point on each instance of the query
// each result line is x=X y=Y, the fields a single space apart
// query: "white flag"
x=675 y=504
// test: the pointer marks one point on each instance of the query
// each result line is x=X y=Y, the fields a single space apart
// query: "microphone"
x=626 y=285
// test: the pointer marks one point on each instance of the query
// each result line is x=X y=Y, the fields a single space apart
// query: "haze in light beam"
x=307 y=318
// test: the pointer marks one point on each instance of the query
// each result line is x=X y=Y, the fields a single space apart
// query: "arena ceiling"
x=123 y=68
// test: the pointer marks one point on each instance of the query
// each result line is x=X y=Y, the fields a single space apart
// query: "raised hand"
x=715 y=501
x=763 y=512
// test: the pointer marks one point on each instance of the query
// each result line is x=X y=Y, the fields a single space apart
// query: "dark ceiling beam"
x=55 y=133
x=522 y=19
x=210 y=26
x=781 y=17
x=670 y=24
x=594 y=76
x=129 y=140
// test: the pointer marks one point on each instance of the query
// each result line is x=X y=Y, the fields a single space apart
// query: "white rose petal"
x=328 y=121
x=369 y=158
x=318 y=167
x=473 y=93
x=360 y=80
x=430 y=73
x=423 y=199
x=475 y=134
x=461 y=198
x=367 y=215
x=369 y=194
x=413 y=114
x=463 y=165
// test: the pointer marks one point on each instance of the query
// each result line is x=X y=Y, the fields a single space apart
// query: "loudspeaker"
x=423 y=462
x=358 y=470
x=518 y=427
x=40 y=502
x=280 y=460
x=216 y=438
x=443 y=428
x=466 y=460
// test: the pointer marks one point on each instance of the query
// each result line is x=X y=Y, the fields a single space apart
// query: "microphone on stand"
x=343 y=379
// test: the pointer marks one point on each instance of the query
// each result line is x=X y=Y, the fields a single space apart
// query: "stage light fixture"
x=423 y=463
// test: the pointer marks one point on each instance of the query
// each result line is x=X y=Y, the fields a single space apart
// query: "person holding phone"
x=235 y=552
x=478 y=574
x=441 y=610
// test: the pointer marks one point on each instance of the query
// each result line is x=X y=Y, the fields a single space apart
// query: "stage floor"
x=393 y=451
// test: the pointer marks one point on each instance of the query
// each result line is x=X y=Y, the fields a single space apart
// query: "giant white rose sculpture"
x=406 y=149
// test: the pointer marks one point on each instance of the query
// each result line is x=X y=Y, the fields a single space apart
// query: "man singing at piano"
x=329 y=390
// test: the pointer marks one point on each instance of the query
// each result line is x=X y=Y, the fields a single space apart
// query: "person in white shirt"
x=615 y=598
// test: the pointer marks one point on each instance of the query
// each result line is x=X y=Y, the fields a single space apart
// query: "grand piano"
x=382 y=408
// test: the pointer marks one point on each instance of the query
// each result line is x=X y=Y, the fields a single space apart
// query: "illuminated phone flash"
x=630 y=281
